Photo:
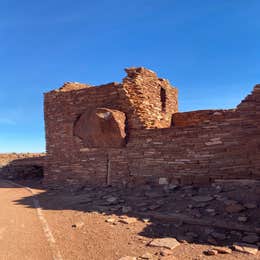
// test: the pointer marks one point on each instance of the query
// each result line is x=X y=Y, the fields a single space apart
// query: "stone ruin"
x=132 y=133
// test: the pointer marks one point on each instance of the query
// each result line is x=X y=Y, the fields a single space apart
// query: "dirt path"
x=21 y=231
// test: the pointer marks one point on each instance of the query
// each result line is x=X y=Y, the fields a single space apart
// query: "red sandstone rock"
x=101 y=127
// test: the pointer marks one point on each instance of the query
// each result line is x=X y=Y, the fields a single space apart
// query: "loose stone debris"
x=245 y=248
x=167 y=221
x=169 y=243
x=127 y=220
x=234 y=208
x=78 y=225
x=222 y=250
x=211 y=252
x=147 y=256
x=111 y=220
x=202 y=198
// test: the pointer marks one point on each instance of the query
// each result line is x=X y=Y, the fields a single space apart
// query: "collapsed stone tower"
x=132 y=132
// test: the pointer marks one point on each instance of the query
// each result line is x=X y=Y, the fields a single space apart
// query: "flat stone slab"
x=245 y=248
x=128 y=220
x=169 y=243
x=222 y=250
x=128 y=258
x=234 y=208
x=202 y=198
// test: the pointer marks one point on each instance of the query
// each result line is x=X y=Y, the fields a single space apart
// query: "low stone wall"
x=21 y=165
x=194 y=118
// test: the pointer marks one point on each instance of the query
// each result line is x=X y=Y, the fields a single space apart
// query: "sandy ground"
x=89 y=224
x=21 y=235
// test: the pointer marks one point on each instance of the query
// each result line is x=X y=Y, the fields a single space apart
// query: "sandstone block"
x=101 y=127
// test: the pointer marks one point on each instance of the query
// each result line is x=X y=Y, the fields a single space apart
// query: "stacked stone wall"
x=153 y=98
x=191 y=147
x=138 y=97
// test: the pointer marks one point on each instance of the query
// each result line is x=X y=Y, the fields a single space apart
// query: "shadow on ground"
x=219 y=214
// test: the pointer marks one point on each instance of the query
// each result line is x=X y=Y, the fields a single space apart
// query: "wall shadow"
x=170 y=211
x=30 y=168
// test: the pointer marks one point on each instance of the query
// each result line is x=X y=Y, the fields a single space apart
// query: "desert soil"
x=102 y=223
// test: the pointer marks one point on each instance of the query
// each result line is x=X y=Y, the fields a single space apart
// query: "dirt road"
x=23 y=233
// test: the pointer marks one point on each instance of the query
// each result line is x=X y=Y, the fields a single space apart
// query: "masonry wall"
x=138 y=96
x=21 y=165
x=193 y=147
x=153 y=99
x=64 y=150
x=212 y=149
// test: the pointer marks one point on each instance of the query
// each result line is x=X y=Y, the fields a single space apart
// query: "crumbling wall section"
x=194 y=118
x=210 y=149
x=154 y=100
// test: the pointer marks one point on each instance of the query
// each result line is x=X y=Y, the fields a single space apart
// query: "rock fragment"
x=166 y=252
x=242 y=219
x=251 y=239
x=78 y=225
x=234 y=208
x=127 y=220
x=211 y=252
x=250 y=205
x=128 y=258
x=146 y=220
x=112 y=200
x=245 y=248
x=110 y=220
x=202 y=198
x=147 y=256
x=222 y=250
x=169 y=243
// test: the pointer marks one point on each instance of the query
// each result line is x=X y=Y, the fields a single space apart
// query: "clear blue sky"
x=210 y=49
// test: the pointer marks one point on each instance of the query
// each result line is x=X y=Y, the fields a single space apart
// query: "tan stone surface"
x=169 y=243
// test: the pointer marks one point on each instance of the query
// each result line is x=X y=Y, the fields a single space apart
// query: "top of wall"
x=139 y=96
x=251 y=102
x=132 y=73
x=71 y=86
